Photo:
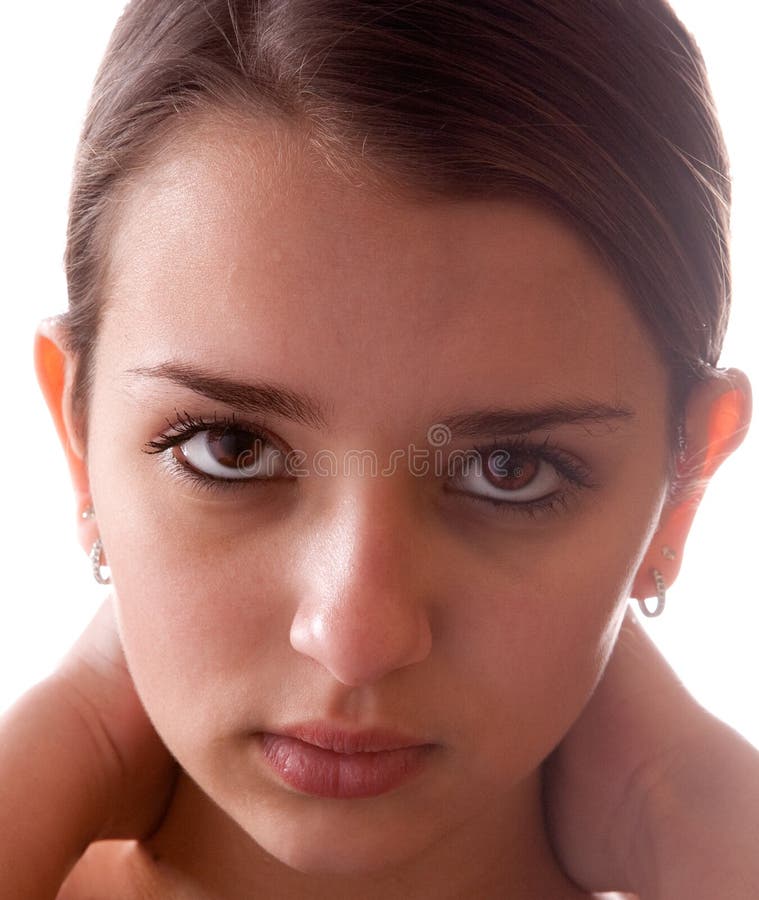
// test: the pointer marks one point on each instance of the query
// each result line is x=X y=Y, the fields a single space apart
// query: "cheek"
x=195 y=625
x=532 y=654
x=543 y=626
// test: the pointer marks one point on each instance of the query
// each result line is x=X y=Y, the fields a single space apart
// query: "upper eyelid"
x=542 y=448
x=187 y=422
x=574 y=473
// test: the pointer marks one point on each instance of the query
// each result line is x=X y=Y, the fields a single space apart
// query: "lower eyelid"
x=554 y=503
x=184 y=474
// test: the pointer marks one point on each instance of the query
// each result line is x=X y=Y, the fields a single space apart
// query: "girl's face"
x=370 y=582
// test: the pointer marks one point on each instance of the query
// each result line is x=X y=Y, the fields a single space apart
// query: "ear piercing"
x=97 y=568
x=661 y=588
x=660 y=597
x=96 y=552
x=681 y=441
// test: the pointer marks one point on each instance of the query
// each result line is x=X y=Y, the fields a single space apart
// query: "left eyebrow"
x=268 y=398
x=480 y=423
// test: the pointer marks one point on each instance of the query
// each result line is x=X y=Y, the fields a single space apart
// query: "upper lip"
x=341 y=740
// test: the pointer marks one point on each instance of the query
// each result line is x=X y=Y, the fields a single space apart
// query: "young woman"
x=389 y=377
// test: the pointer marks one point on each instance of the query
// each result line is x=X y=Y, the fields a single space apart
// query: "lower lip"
x=325 y=773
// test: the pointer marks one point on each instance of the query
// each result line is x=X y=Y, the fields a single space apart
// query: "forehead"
x=241 y=249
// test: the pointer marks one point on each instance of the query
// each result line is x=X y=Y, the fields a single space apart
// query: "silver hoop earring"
x=681 y=441
x=97 y=569
x=660 y=597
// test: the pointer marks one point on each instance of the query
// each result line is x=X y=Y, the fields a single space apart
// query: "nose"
x=362 y=609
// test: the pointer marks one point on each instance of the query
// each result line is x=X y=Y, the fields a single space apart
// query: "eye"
x=219 y=451
x=233 y=454
x=518 y=474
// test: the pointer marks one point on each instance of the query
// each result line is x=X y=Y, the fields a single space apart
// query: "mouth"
x=323 y=761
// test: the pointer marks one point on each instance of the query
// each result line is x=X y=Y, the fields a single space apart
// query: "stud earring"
x=660 y=597
x=89 y=513
x=97 y=569
x=668 y=552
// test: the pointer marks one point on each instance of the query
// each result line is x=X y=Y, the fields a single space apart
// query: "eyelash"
x=575 y=473
x=186 y=426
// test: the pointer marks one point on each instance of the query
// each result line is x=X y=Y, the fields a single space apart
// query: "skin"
x=365 y=600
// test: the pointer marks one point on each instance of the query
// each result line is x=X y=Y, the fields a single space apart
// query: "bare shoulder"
x=107 y=871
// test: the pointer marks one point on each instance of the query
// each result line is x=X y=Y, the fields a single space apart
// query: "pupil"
x=498 y=463
x=231 y=447
x=510 y=471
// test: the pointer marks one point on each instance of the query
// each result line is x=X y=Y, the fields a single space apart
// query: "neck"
x=502 y=853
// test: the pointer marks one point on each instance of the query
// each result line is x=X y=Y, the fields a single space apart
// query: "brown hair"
x=600 y=109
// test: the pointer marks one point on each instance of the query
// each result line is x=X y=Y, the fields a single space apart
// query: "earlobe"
x=717 y=416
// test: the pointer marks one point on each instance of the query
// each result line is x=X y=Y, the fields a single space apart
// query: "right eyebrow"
x=249 y=397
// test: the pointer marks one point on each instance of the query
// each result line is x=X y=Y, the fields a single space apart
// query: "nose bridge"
x=362 y=610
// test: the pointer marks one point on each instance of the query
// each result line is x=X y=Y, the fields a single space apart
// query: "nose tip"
x=359 y=646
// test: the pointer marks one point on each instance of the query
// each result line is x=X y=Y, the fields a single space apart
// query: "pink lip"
x=318 y=759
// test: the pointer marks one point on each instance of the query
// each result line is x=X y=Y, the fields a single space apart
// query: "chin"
x=322 y=843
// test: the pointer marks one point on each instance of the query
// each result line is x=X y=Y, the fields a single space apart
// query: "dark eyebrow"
x=261 y=397
x=509 y=421
x=265 y=397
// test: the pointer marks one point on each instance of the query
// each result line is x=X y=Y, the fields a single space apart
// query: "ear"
x=717 y=416
x=56 y=368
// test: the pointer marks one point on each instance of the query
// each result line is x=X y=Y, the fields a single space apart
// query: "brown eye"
x=233 y=454
x=511 y=471
x=511 y=476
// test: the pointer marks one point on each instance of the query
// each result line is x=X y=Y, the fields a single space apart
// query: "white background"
x=50 y=55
